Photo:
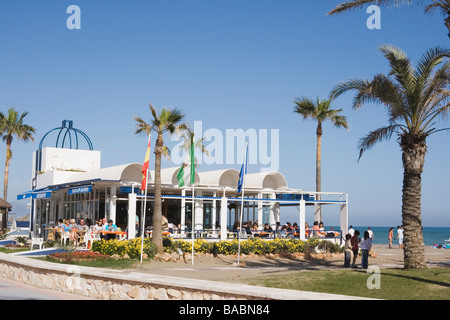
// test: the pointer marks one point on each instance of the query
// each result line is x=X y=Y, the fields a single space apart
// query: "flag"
x=145 y=166
x=243 y=172
x=186 y=174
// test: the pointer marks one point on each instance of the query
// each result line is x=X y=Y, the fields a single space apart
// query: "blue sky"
x=231 y=64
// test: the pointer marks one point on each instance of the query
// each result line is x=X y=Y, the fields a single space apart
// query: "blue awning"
x=36 y=194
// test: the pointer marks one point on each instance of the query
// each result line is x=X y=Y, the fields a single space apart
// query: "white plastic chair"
x=64 y=237
x=36 y=241
x=88 y=238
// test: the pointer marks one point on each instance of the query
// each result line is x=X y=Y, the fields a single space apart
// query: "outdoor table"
x=113 y=232
x=106 y=232
x=164 y=233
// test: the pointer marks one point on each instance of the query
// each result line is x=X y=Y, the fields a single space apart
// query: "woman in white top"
x=366 y=244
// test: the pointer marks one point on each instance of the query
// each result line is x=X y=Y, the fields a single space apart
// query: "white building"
x=69 y=183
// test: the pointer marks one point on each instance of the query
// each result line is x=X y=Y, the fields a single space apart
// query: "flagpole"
x=145 y=202
x=242 y=201
x=193 y=223
x=143 y=220
x=193 y=200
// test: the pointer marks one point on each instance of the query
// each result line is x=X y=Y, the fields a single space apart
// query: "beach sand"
x=225 y=268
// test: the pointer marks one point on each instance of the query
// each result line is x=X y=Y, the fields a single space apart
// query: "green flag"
x=186 y=174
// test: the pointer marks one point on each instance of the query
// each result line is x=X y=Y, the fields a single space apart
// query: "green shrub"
x=251 y=246
x=121 y=247
x=22 y=240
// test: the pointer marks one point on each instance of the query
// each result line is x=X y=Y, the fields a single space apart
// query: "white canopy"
x=126 y=173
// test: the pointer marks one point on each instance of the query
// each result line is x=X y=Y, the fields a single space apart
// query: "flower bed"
x=77 y=256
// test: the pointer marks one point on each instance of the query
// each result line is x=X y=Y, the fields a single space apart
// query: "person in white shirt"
x=366 y=245
x=351 y=231
x=370 y=233
x=400 y=236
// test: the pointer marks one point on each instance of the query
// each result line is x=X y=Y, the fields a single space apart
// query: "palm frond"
x=384 y=133
x=358 y=4
x=343 y=87
x=305 y=107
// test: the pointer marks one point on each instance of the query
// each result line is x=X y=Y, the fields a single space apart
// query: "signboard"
x=129 y=190
x=85 y=189
x=42 y=195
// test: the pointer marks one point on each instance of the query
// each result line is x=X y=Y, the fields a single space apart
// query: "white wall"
x=69 y=160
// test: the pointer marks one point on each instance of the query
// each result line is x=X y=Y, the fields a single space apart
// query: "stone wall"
x=101 y=283
x=105 y=288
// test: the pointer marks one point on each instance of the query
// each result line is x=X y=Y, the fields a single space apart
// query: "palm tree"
x=11 y=125
x=319 y=111
x=415 y=98
x=188 y=135
x=442 y=5
x=168 y=120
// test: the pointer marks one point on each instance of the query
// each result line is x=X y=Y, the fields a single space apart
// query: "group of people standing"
x=352 y=244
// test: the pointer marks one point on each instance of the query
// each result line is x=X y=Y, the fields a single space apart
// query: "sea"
x=431 y=235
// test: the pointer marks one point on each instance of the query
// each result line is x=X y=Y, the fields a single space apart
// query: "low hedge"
x=130 y=247
x=252 y=245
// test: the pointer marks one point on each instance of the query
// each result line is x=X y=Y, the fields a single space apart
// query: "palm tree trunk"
x=318 y=209
x=413 y=161
x=5 y=181
x=157 y=211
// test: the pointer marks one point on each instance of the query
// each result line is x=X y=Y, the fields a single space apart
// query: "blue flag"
x=243 y=172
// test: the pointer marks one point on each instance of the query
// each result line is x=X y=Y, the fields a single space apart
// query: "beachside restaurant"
x=114 y=193
x=68 y=183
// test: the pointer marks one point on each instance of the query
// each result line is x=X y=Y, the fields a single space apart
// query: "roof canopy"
x=126 y=173
x=220 y=178
x=266 y=180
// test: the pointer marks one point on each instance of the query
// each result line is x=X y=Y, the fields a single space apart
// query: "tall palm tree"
x=415 y=98
x=320 y=111
x=11 y=125
x=168 y=120
x=442 y=5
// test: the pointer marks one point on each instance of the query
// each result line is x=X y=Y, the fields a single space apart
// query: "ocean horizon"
x=431 y=235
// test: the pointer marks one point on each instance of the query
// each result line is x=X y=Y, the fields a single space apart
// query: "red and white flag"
x=145 y=166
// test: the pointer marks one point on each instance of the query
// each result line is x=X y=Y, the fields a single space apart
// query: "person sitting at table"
x=321 y=230
x=58 y=229
x=267 y=229
x=67 y=229
x=74 y=231
x=284 y=231
x=98 y=228
x=110 y=227
x=164 y=223
x=290 y=230
x=315 y=229
x=307 y=230
x=82 y=228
